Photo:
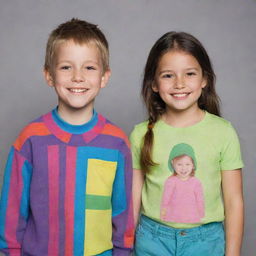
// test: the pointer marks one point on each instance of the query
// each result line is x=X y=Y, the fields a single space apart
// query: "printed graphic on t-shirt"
x=183 y=199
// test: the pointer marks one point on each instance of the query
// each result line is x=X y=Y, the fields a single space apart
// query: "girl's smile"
x=179 y=81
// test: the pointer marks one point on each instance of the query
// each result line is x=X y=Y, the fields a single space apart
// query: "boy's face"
x=183 y=166
x=77 y=76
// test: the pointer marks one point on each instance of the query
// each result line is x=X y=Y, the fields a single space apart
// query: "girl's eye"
x=167 y=76
x=191 y=73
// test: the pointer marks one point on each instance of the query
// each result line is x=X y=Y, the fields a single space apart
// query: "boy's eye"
x=65 y=67
x=90 y=68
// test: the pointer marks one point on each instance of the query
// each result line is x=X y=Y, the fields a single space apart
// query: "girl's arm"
x=234 y=210
x=138 y=181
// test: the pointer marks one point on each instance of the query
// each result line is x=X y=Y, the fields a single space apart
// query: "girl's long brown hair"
x=208 y=100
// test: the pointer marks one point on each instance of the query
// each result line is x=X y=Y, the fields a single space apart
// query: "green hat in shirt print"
x=181 y=149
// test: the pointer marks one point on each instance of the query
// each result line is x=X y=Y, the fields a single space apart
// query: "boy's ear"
x=48 y=77
x=105 y=77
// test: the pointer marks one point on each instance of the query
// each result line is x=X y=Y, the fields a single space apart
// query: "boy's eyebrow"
x=87 y=61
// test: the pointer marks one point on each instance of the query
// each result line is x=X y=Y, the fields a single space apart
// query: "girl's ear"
x=48 y=77
x=154 y=86
x=204 y=82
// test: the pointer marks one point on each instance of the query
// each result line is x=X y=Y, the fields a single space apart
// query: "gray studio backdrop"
x=227 y=28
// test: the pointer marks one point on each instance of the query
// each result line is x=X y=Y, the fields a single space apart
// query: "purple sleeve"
x=14 y=203
x=122 y=208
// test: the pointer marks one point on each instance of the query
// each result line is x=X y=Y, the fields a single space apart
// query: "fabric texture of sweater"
x=67 y=190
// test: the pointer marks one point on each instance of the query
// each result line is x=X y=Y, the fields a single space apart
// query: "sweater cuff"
x=122 y=251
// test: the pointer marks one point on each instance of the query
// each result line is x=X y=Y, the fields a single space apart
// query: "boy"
x=67 y=185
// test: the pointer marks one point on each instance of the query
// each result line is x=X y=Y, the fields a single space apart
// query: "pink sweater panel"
x=182 y=200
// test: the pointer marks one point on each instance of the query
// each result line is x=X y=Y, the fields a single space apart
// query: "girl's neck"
x=183 y=118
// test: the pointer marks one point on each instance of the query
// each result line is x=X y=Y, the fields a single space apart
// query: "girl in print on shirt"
x=183 y=200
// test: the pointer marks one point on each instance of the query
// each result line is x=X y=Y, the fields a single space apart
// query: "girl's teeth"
x=77 y=90
x=180 y=95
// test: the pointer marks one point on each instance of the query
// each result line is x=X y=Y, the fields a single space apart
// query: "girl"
x=183 y=107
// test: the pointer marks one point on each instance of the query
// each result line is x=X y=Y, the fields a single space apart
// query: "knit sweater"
x=67 y=190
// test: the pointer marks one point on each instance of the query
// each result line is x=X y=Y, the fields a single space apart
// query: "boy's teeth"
x=77 y=90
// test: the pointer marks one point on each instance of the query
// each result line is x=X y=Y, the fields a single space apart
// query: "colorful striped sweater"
x=67 y=190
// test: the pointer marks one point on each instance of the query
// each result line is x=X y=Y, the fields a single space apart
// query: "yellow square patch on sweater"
x=100 y=177
x=98 y=236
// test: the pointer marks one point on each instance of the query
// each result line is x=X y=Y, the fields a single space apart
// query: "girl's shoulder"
x=217 y=122
x=142 y=125
x=140 y=129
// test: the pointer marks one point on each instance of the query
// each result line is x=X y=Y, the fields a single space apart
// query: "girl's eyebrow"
x=164 y=71
x=169 y=70
x=192 y=68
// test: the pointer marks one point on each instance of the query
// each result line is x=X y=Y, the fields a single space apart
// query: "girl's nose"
x=179 y=83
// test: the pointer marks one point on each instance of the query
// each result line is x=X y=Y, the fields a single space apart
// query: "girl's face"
x=179 y=81
x=183 y=167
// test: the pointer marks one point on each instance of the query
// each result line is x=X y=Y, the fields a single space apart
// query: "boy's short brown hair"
x=80 y=32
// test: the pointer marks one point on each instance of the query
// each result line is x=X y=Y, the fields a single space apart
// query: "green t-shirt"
x=212 y=145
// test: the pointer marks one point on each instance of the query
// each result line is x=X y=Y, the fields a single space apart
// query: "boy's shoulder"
x=40 y=127
x=34 y=128
x=114 y=130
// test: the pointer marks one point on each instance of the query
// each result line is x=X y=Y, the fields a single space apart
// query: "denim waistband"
x=161 y=229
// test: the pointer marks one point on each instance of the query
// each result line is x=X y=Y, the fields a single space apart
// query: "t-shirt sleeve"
x=136 y=141
x=231 y=158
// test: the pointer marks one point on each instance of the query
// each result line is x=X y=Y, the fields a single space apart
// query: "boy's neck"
x=183 y=118
x=75 y=116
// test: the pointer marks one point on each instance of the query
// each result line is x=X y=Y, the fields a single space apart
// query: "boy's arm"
x=234 y=213
x=14 y=203
x=122 y=207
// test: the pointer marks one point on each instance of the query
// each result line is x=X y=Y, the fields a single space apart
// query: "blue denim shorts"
x=156 y=239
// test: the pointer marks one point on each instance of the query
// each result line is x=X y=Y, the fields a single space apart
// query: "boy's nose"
x=78 y=77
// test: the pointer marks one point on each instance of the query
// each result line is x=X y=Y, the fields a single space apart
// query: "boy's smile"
x=77 y=76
